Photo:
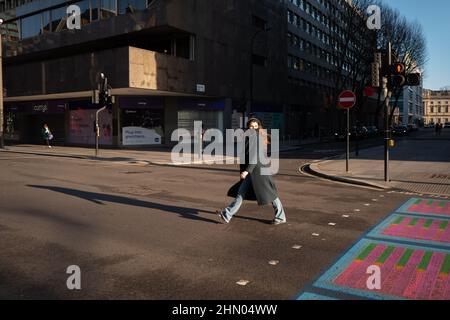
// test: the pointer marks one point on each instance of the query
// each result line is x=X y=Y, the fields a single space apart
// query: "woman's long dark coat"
x=263 y=189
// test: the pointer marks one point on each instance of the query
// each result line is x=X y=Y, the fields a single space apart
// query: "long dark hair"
x=262 y=133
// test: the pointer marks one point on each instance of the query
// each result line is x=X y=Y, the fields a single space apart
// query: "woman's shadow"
x=100 y=198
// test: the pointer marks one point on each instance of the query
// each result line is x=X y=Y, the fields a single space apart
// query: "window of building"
x=301 y=44
x=259 y=22
x=46 y=22
x=59 y=19
x=290 y=16
x=302 y=4
x=289 y=38
x=107 y=9
x=259 y=60
x=30 y=26
x=290 y=61
x=85 y=12
x=130 y=6
x=296 y=63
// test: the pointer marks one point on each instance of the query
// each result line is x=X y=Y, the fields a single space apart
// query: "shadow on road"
x=100 y=198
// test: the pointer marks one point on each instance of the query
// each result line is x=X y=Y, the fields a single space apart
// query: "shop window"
x=150 y=121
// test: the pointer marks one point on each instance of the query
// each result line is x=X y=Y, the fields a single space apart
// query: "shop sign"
x=40 y=108
x=139 y=136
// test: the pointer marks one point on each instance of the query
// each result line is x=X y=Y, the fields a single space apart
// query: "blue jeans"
x=234 y=207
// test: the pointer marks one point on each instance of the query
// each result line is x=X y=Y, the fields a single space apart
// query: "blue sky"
x=434 y=16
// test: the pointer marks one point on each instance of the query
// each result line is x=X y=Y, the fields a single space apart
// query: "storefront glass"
x=209 y=112
x=24 y=120
x=142 y=120
x=82 y=124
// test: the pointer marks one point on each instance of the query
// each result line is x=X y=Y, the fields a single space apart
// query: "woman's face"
x=253 y=125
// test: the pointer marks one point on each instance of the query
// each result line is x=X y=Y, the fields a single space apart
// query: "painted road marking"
x=411 y=247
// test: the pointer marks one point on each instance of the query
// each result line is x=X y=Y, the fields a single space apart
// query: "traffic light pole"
x=387 y=138
x=97 y=130
x=347 y=158
x=2 y=142
x=103 y=88
x=386 y=118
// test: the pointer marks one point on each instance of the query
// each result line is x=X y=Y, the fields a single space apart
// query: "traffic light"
x=413 y=79
x=109 y=100
x=102 y=98
x=397 y=76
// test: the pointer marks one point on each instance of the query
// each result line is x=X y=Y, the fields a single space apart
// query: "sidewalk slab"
x=416 y=165
x=130 y=156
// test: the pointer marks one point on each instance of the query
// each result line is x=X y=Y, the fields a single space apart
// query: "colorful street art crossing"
x=426 y=207
x=420 y=230
x=411 y=247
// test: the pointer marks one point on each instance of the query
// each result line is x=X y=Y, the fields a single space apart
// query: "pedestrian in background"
x=254 y=185
x=436 y=129
x=47 y=135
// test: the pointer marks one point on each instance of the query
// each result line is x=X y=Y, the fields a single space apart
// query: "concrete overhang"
x=115 y=92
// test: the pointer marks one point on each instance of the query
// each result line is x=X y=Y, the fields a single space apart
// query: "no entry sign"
x=347 y=99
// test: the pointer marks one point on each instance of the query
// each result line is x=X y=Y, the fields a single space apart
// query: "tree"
x=408 y=43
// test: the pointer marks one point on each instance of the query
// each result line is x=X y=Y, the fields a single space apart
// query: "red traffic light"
x=398 y=68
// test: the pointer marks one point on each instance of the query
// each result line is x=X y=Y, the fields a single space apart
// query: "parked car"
x=356 y=132
x=429 y=126
x=447 y=125
x=412 y=127
x=372 y=131
x=400 y=130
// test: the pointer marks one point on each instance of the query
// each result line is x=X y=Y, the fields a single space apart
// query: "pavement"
x=418 y=164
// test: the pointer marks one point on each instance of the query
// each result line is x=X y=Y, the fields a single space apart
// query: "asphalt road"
x=150 y=232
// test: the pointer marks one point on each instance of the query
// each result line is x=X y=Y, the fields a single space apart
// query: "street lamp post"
x=252 y=42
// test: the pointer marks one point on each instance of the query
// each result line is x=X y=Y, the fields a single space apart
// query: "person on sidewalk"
x=253 y=182
x=437 y=129
x=47 y=135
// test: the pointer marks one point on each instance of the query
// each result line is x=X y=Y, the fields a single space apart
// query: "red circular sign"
x=346 y=99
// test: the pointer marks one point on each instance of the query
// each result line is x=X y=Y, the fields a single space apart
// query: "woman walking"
x=47 y=135
x=252 y=181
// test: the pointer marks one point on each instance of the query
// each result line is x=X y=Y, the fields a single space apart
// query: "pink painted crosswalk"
x=410 y=248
